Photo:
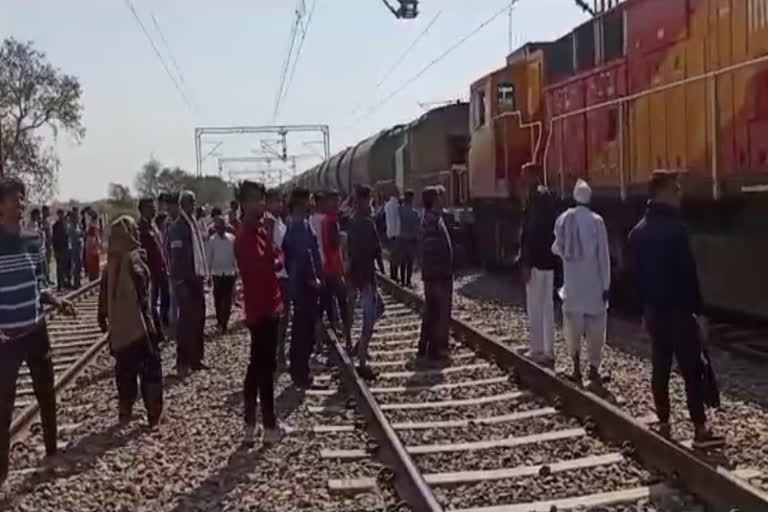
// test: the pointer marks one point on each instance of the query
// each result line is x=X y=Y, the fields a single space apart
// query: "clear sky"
x=230 y=53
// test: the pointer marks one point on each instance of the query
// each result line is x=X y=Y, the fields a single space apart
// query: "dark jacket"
x=409 y=223
x=181 y=252
x=436 y=249
x=537 y=237
x=151 y=242
x=363 y=247
x=663 y=262
x=302 y=257
x=60 y=237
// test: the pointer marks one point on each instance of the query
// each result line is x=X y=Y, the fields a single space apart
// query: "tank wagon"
x=427 y=151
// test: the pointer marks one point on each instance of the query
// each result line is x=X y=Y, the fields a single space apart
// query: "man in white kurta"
x=581 y=241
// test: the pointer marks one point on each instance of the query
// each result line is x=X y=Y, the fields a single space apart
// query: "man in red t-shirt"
x=333 y=266
x=257 y=263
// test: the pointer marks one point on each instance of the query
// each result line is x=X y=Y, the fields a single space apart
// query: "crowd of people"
x=302 y=258
x=72 y=241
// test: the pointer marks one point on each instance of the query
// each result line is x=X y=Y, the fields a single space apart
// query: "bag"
x=710 y=389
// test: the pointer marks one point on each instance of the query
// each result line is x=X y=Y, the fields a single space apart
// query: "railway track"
x=74 y=343
x=492 y=432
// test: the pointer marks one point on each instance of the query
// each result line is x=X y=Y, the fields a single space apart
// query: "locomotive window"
x=506 y=95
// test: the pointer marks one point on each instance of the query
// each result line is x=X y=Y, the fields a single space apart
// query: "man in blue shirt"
x=302 y=260
x=23 y=330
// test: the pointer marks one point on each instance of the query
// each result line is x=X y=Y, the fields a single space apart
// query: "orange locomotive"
x=647 y=84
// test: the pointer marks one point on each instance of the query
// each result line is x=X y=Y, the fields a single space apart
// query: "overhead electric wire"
x=168 y=49
x=175 y=63
x=131 y=7
x=436 y=60
x=408 y=50
x=400 y=59
x=287 y=63
x=305 y=29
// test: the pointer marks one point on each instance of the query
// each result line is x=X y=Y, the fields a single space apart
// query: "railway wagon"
x=372 y=162
x=427 y=151
x=435 y=152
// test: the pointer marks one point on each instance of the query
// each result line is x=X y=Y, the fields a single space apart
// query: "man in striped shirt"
x=23 y=331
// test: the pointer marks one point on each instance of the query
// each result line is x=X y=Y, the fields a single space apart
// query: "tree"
x=147 y=181
x=34 y=95
x=119 y=193
x=209 y=189
x=172 y=180
x=151 y=181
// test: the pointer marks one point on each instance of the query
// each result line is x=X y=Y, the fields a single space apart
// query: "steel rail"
x=714 y=485
x=25 y=418
x=409 y=482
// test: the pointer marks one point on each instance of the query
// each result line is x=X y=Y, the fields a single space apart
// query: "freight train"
x=644 y=84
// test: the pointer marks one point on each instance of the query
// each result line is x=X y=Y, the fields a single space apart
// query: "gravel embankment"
x=497 y=304
x=195 y=460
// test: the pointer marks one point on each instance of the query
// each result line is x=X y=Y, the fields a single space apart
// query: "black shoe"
x=200 y=367
x=664 y=430
x=707 y=440
x=366 y=373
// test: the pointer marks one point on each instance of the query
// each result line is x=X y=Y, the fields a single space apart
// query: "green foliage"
x=153 y=179
x=34 y=96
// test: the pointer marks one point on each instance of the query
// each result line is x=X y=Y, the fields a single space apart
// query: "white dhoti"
x=577 y=326
x=541 y=313
x=581 y=240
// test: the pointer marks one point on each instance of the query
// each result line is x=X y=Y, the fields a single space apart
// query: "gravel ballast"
x=195 y=460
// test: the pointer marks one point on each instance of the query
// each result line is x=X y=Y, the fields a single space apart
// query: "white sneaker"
x=249 y=436
x=271 y=435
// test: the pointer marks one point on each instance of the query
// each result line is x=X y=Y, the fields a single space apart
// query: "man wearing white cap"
x=581 y=241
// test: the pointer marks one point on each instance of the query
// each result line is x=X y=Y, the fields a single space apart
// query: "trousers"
x=259 y=379
x=77 y=267
x=435 y=324
x=394 y=258
x=305 y=311
x=407 y=256
x=173 y=308
x=541 y=312
x=161 y=297
x=140 y=361
x=62 y=270
x=369 y=304
x=34 y=349
x=189 y=337
x=282 y=328
x=223 y=288
x=592 y=327
x=336 y=301
x=675 y=334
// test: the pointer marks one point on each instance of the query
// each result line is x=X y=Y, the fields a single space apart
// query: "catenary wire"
x=131 y=7
x=435 y=61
